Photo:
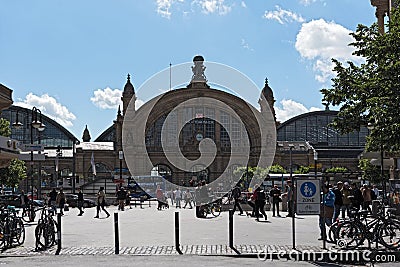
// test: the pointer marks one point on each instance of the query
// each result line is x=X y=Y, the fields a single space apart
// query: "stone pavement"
x=147 y=231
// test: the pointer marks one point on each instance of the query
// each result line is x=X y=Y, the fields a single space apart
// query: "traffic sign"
x=308 y=197
x=32 y=147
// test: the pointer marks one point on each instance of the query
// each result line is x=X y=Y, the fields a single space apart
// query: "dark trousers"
x=80 y=207
x=237 y=204
x=101 y=206
x=253 y=206
x=275 y=206
x=290 y=208
x=260 y=209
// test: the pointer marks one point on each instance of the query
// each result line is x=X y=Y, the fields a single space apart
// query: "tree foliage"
x=370 y=93
x=12 y=175
x=370 y=172
x=336 y=169
x=5 y=127
x=302 y=170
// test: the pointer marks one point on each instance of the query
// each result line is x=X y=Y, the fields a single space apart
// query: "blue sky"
x=71 y=58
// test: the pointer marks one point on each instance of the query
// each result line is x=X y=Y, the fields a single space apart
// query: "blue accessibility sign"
x=308 y=189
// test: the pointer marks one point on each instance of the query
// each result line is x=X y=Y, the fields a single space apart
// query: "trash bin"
x=375 y=207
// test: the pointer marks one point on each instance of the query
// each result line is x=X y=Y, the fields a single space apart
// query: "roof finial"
x=119 y=110
x=129 y=77
x=266 y=81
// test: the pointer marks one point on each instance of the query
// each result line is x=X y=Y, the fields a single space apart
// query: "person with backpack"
x=236 y=193
x=260 y=203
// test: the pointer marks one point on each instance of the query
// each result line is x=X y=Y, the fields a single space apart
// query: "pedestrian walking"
x=275 y=193
x=290 y=198
x=178 y=197
x=80 y=202
x=24 y=202
x=260 y=203
x=121 y=198
x=53 y=200
x=101 y=202
x=60 y=200
x=188 y=199
x=346 y=192
x=367 y=197
x=128 y=199
x=236 y=194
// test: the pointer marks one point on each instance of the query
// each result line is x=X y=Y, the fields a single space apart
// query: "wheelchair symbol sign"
x=308 y=189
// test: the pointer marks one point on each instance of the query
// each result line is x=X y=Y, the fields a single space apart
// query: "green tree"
x=370 y=92
x=370 y=172
x=12 y=175
x=5 y=127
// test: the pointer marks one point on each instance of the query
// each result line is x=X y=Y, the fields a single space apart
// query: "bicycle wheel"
x=45 y=236
x=216 y=210
x=389 y=235
x=349 y=235
x=18 y=233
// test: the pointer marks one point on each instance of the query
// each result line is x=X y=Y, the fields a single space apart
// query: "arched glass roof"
x=314 y=127
x=52 y=136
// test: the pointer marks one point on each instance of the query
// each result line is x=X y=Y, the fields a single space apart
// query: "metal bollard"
x=116 y=234
x=177 y=245
x=58 y=234
x=231 y=228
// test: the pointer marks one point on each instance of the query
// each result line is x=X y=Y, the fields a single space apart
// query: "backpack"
x=236 y=192
x=261 y=195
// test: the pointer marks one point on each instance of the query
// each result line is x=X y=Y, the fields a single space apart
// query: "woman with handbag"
x=101 y=202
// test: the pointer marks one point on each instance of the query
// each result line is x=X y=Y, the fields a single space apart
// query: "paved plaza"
x=149 y=232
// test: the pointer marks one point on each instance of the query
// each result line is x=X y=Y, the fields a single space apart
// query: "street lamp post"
x=291 y=146
x=121 y=157
x=36 y=117
x=371 y=126
x=315 y=163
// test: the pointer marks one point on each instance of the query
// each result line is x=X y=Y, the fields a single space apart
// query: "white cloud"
x=214 y=6
x=110 y=99
x=50 y=107
x=291 y=109
x=320 y=41
x=107 y=98
x=245 y=45
x=283 y=16
x=164 y=7
x=307 y=2
x=243 y=4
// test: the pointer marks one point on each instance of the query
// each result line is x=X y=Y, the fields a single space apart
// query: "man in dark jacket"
x=260 y=203
x=80 y=202
x=357 y=198
x=236 y=193
x=275 y=193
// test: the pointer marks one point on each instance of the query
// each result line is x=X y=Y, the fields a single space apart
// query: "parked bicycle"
x=12 y=230
x=46 y=229
x=213 y=208
x=384 y=229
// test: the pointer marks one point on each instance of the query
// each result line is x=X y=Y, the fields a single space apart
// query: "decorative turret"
x=86 y=135
x=199 y=79
x=128 y=94
x=269 y=97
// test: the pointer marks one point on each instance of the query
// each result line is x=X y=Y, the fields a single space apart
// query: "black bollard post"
x=231 y=228
x=177 y=245
x=116 y=234
x=58 y=234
